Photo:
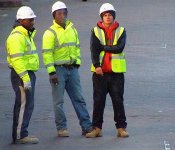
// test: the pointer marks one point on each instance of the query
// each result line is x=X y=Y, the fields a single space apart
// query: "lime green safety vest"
x=118 y=61
x=60 y=46
x=21 y=52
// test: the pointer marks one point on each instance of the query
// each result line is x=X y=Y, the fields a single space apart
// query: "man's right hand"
x=27 y=85
x=53 y=79
x=99 y=71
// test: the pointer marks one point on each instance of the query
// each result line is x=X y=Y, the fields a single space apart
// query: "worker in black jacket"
x=108 y=67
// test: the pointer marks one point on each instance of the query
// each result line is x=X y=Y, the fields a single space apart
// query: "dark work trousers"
x=24 y=104
x=112 y=83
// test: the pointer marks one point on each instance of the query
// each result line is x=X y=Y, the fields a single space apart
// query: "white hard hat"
x=58 y=5
x=25 y=12
x=106 y=7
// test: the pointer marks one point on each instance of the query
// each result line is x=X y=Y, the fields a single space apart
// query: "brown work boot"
x=84 y=132
x=96 y=132
x=122 y=133
x=63 y=133
x=27 y=140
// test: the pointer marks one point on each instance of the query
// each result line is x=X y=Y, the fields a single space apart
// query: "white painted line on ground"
x=167 y=145
x=163 y=46
x=4 y=15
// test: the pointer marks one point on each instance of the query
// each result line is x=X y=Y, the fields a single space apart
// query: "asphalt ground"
x=149 y=85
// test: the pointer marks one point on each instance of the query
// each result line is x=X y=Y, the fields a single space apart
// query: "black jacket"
x=96 y=47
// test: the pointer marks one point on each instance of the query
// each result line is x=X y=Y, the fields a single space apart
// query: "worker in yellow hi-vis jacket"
x=61 y=56
x=23 y=61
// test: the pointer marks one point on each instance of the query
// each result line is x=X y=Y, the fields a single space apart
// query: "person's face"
x=27 y=23
x=108 y=18
x=60 y=16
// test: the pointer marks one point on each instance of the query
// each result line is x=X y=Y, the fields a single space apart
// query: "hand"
x=53 y=79
x=99 y=71
x=27 y=85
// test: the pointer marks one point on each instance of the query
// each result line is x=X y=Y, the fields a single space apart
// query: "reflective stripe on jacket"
x=60 y=46
x=118 y=61
x=21 y=52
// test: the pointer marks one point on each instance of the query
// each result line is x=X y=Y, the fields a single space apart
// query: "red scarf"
x=109 y=33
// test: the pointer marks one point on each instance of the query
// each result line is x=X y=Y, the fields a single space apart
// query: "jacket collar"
x=68 y=24
x=25 y=31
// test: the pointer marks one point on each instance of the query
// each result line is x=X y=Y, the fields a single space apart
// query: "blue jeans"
x=69 y=80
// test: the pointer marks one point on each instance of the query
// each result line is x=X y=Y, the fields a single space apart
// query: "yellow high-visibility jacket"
x=118 y=61
x=60 y=46
x=21 y=52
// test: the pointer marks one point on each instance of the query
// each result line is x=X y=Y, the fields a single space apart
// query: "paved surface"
x=150 y=82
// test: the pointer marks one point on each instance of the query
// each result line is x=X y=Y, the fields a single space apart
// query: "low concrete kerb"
x=10 y=3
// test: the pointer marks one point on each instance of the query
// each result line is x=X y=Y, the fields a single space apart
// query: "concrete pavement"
x=10 y=3
x=149 y=87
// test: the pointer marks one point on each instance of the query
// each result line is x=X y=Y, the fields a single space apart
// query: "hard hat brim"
x=34 y=16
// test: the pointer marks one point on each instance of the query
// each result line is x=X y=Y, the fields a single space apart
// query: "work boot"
x=96 y=132
x=122 y=133
x=84 y=132
x=27 y=140
x=63 y=133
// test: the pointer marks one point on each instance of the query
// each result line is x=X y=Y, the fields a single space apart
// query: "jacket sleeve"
x=95 y=48
x=48 y=43
x=16 y=44
x=116 y=49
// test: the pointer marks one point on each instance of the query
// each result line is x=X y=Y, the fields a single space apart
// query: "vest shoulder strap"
x=99 y=33
x=17 y=32
x=53 y=32
x=56 y=42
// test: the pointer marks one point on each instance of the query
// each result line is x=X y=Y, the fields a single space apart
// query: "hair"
x=109 y=11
